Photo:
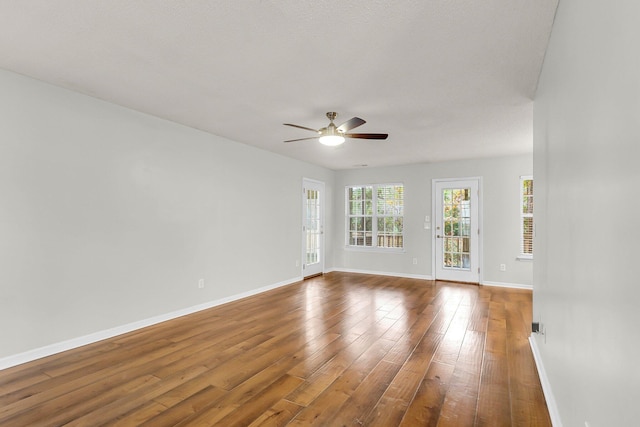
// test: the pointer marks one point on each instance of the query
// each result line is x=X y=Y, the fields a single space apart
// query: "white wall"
x=109 y=216
x=501 y=226
x=586 y=153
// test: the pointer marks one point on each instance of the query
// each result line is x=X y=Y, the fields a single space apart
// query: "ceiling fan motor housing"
x=331 y=129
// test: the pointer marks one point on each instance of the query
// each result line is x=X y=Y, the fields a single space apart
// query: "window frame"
x=374 y=218
x=522 y=255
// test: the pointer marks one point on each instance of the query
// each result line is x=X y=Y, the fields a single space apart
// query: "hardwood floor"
x=340 y=349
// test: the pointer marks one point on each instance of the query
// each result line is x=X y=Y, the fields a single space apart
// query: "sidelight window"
x=526 y=217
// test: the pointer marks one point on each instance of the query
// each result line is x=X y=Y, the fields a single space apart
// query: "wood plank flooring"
x=336 y=350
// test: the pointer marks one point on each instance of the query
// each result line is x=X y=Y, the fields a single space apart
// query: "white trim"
x=554 y=414
x=31 y=355
x=507 y=285
x=382 y=273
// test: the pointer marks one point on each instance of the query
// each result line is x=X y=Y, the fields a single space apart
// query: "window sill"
x=376 y=249
x=524 y=258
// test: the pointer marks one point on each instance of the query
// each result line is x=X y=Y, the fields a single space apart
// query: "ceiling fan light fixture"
x=331 y=140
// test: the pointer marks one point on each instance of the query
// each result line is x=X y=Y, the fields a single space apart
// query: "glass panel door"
x=457 y=230
x=313 y=228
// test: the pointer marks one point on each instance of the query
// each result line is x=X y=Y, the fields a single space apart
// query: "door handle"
x=438 y=236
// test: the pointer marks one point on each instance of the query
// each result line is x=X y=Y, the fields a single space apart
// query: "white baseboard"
x=381 y=273
x=546 y=385
x=507 y=285
x=425 y=277
x=38 y=353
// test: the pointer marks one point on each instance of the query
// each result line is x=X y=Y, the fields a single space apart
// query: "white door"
x=457 y=230
x=312 y=228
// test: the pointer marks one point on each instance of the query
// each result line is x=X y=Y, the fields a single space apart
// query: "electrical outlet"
x=297 y=263
x=415 y=261
x=535 y=327
x=503 y=267
x=200 y=283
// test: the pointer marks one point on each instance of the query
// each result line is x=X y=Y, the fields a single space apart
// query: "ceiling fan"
x=333 y=135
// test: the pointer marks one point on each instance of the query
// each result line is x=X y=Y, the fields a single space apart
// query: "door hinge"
x=304 y=266
x=478 y=270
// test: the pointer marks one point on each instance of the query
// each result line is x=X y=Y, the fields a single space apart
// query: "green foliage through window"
x=457 y=227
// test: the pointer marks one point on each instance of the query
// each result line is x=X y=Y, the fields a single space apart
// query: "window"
x=375 y=216
x=526 y=217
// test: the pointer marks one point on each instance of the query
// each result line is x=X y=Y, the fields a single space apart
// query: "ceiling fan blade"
x=301 y=139
x=351 y=124
x=301 y=127
x=367 y=135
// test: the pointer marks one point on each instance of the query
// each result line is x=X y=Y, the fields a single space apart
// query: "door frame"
x=434 y=181
x=302 y=228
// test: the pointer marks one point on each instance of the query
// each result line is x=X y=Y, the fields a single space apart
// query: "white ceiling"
x=447 y=79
